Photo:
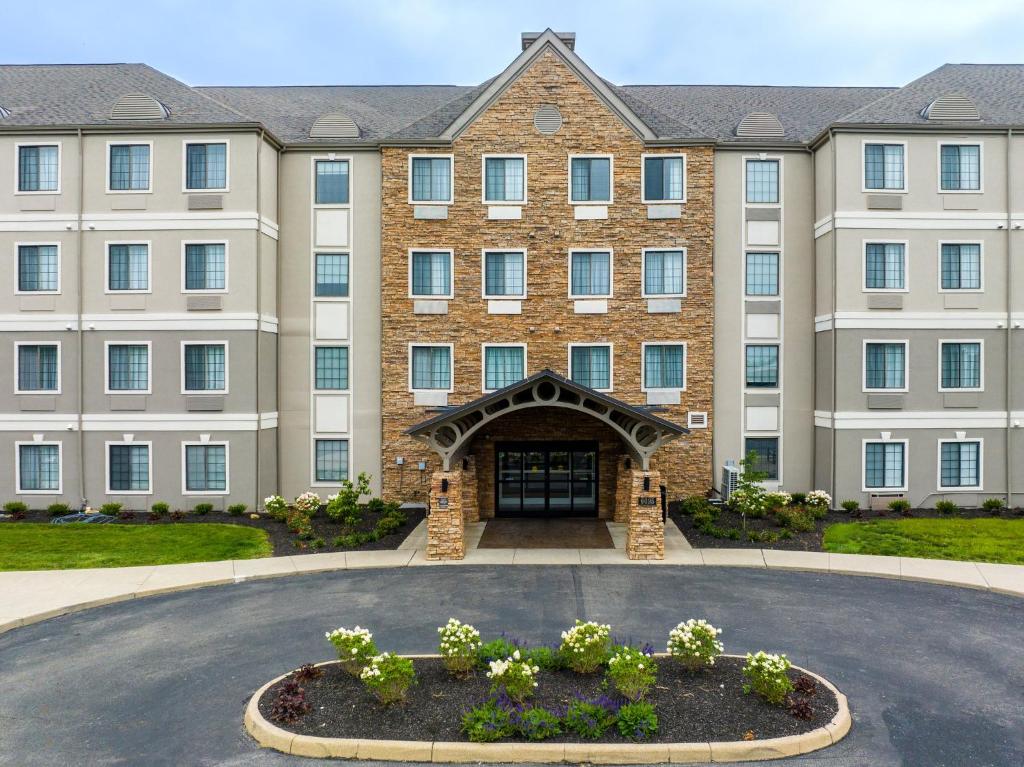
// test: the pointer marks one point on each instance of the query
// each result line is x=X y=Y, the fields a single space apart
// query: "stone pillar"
x=446 y=529
x=645 y=532
x=470 y=502
x=623 y=489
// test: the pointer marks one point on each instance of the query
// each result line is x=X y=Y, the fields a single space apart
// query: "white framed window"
x=129 y=167
x=204 y=367
x=961 y=266
x=430 y=273
x=591 y=273
x=885 y=266
x=330 y=461
x=884 y=465
x=37 y=367
x=129 y=468
x=960 y=166
x=205 y=468
x=663 y=178
x=591 y=179
x=663 y=272
x=331 y=279
x=38 y=468
x=884 y=165
x=430 y=367
x=761 y=273
x=330 y=368
x=504 y=179
x=331 y=181
x=961 y=364
x=38 y=268
x=431 y=179
x=761 y=366
x=961 y=464
x=38 y=168
x=205 y=166
x=127 y=366
x=886 y=365
x=664 y=365
x=766 y=456
x=592 y=364
x=204 y=266
x=503 y=365
x=761 y=180
x=127 y=267
x=503 y=274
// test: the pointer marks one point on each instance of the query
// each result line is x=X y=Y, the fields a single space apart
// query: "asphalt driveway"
x=935 y=675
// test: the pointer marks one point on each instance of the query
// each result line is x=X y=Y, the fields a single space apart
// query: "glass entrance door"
x=546 y=479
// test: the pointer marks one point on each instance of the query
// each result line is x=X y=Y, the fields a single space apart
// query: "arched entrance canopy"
x=450 y=433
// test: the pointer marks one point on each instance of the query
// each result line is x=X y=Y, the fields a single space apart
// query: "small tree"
x=344 y=507
x=749 y=497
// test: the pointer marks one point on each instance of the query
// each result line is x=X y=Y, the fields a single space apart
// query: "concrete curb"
x=269 y=735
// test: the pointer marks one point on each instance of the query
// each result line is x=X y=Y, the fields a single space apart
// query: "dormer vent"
x=760 y=125
x=955 y=107
x=334 y=125
x=138 y=106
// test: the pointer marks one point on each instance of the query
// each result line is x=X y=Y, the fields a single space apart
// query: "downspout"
x=814 y=307
x=835 y=344
x=81 y=350
x=1009 y=321
x=259 y=317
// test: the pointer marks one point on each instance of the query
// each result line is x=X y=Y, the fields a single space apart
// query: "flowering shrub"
x=585 y=646
x=778 y=499
x=276 y=507
x=637 y=721
x=388 y=676
x=631 y=672
x=343 y=506
x=458 y=646
x=818 y=499
x=487 y=722
x=695 y=644
x=536 y=723
x=308 y=503
x=355 y=647
x=590 y=718
x=299 y=524
x=767 y=676
x=513 y=674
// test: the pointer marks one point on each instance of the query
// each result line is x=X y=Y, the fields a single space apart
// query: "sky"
x=462 y=42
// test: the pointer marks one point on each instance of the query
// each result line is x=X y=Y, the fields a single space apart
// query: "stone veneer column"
x=446 y=529
x=623 y=489
x=470 y=502
x=645 y=533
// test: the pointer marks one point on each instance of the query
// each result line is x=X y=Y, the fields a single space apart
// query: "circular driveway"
x=935 y=675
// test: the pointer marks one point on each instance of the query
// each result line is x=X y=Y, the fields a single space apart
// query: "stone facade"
x=645 y=529
x=446 y=528
x=547 y=230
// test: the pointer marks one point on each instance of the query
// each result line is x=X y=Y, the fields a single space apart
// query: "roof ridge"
x=337 y=85
x=734 y=85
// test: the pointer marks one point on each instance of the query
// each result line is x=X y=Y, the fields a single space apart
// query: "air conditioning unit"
x=730 y=479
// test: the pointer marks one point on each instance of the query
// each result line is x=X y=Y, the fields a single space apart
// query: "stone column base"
x=446 y=528
x=623 y=490
x=470 y=502
x=645 y=532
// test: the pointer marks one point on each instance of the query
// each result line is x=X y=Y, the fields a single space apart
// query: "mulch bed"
x=706 y=706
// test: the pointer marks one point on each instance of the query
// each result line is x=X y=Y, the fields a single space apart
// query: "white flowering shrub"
x=389 y=677
x=276 y=507
x=778 y=499
x=631 y=672
x=515 y=675
x=752 y=501
x=308 y=503
x=695 y=644
x=818 y=499
x=766 y=676
x=458 y=646
x=355 y=647
x=585 y=646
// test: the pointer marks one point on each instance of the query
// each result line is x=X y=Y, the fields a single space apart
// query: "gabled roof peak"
x=568 y=38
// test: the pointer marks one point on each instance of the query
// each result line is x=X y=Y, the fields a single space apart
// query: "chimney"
x=568 y=38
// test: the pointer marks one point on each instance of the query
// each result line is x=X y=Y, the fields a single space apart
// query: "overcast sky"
x=256 y=42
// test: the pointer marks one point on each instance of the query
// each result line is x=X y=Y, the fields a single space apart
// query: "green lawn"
x=979 y=540
x=30 y=546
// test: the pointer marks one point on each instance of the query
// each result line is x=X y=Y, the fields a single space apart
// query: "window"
x=763 y=181
x=590 y=179
x=430 y=179
x=206 y=468
x=38 y=269
x=431 y=273
x=766 y=455
x=206 y=166
x=762 y=366
x=128 y=367
x=762 y=274
x=128 y=468
x=128 y=267
x=590 y=273
x=39 y=468
x=885 y=465
x=431 y=367
x=664 y=366
x=504 y=274
x=331 y=367
x=960 y=167
x=503 y=366
x=960 y=365
x=664 y=272
x=129 y=168
x=205 y=367
x=331 y=275
x=960 y=465
x=504 y=179
x=38 y=367
x=206 y=266
x=665 y=179
x=591 y=366
x=885 y=266
x=885 y=365
x=961 y=266
x=883 y=167
x=39 y=168
x=332 y=182
x=331 y=460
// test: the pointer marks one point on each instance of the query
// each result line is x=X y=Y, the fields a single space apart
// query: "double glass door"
x=546 y=479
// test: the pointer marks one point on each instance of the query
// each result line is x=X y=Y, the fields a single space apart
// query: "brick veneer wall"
x=547 y=231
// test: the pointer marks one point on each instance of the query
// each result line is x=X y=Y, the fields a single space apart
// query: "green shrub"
x=749 y=498
x=495 y=649
x=160 y=508
x=589 y=719
x=762 y=536
x=355 y=648
x=458 y=647
x=850 y=505
x=694 y=504
x=766 y=676
x=900 y=506
x=517 y=677
x=536 y=723
x=15 y=507
x=695 y=644
x=317 y=543
x=344 y=507
x=637 y=721
x=585 y=646
x=631 y=673
x=797 y=520
x=946 y=507
x=276 y=508
x=993 y=505
x=387 y=526
x=237 y=509
x=798 y=499
x=111 y=508
x=202 y=508
x=376 y=506
x=354 y=540
x=389 y=677
x=487 y=722
x=58 y=509
x=543 y=657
